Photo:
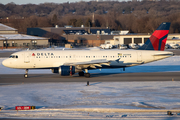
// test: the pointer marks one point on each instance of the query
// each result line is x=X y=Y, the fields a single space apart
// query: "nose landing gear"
x=26 y=74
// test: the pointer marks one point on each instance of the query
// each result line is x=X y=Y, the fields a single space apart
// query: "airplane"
x=69 y=62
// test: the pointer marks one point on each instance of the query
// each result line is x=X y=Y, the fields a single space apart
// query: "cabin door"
x=26 y=58
x=139 y=56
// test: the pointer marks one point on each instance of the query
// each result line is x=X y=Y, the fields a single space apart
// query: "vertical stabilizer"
x=157 y=41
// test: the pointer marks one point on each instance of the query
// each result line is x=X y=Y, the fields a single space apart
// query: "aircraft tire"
x=25 y=75
x=81 y=73
x=87 y=75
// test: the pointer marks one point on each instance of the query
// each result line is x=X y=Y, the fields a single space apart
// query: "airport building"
x=141 y=39
x=80 y=36
x=95 y=36
x=89 y=40
x=9 y=38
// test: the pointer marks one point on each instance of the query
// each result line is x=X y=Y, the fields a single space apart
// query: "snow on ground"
x=9 y=50
x=133 y=95
x=51 y=98
x=63 y=114
x=169 y=64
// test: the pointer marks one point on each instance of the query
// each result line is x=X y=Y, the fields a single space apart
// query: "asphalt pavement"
x=95 y=77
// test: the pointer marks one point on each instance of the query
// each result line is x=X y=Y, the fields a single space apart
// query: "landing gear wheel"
x=25 y=75
x=87 y=75
x=81 y=73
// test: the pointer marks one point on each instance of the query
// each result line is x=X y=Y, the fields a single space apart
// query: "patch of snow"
x=19 y=36
x=5 y=27
x=51 y=98
x=7 y=50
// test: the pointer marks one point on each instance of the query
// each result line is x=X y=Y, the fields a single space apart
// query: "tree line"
x=137 y=17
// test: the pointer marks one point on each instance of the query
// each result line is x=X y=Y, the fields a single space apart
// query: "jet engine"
x=64 y=70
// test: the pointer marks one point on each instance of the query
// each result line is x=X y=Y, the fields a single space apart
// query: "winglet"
x=157 y=41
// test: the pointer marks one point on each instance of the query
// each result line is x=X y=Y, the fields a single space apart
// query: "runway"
x=100 y=77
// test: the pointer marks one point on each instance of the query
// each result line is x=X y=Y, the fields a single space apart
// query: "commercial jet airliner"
x=69 y=62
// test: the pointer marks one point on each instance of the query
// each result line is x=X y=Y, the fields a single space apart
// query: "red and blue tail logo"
x=157 y=41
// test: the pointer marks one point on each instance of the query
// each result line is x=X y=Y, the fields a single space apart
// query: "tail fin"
x=157 y=41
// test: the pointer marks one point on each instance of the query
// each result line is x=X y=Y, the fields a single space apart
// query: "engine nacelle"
x=66 y=70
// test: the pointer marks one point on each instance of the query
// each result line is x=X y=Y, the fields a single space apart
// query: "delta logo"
x=33 y=54
x=42 y=54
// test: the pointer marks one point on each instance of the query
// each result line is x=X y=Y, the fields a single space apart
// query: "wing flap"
x=92 y=64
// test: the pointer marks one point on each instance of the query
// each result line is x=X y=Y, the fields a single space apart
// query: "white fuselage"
x=44 y=59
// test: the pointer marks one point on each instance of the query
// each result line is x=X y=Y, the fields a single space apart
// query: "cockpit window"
x=13 y=56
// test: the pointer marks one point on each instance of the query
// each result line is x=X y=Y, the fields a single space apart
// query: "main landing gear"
x=26 y=74
x=86 y=74
x=81 y=73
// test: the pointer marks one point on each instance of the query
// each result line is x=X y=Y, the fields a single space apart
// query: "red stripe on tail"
x=155 y=39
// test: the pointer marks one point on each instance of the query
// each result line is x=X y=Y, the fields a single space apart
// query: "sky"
x=39 y=1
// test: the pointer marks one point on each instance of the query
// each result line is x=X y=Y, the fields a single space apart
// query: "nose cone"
x=11 y=63
x=5 y=63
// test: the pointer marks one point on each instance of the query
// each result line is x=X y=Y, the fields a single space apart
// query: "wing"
x=93 y=64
